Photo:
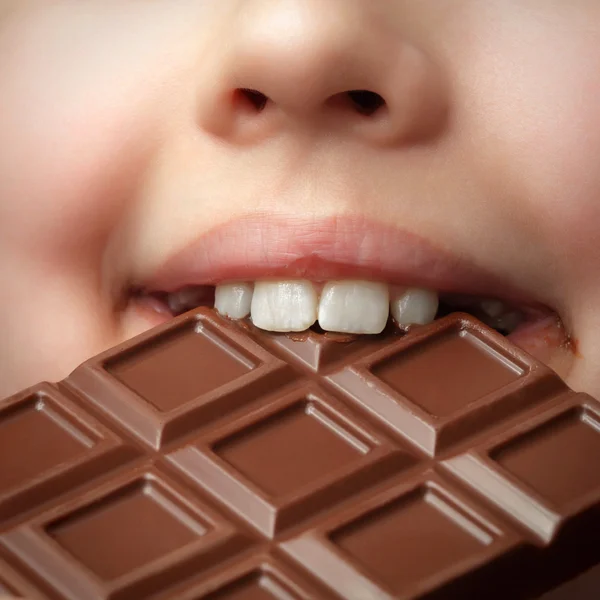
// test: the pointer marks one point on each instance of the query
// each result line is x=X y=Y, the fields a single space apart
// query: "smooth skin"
x=123 y=140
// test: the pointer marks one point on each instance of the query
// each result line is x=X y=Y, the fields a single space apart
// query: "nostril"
x=252 y=97
x=365 y=102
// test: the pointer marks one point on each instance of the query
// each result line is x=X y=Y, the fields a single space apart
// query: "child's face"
x=128 y=160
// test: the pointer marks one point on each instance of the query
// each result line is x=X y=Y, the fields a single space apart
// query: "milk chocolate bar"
x=209 y=459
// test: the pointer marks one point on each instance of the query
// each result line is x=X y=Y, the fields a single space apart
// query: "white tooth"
x=354 y=306
x=233 y=299
x=493 y=308
x=284 y=305
x=414 y=306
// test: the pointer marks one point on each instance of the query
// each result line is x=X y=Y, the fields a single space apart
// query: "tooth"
x=493 y=308
x=414 y=306
x=233 y=299
x=187 y=298
x=284 y=305
x=507 y=322
x=354 y=306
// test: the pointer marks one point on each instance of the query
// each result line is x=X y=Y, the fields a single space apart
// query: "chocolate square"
x=143 y=527
x=544 y=469
x=403 y=542
x=261 y=576
x=299 y=453
x=445 y=382
x=50 y=445
x=158 y=387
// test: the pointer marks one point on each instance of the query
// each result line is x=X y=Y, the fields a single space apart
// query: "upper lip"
x=319 y=249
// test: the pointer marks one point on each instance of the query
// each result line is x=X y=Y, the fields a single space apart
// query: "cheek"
x=559 y=168
x=537 y=103
x=68 y=177
x=73 y=136
x=61 y=196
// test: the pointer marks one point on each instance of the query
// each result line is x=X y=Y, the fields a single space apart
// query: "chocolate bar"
x=209 y=459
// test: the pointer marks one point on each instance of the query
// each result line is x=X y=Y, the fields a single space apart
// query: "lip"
x=319 y=249
x=345 y=247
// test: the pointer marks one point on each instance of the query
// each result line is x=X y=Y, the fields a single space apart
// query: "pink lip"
x=260 y=247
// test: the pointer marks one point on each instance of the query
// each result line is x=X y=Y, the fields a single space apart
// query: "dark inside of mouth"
x=505 y=322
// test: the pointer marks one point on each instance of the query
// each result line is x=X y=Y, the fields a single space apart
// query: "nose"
x=322 y=65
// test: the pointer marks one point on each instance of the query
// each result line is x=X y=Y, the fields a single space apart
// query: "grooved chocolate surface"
x=209 y=459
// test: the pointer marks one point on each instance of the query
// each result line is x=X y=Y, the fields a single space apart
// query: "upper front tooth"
x=233 y=299
x=284 y=305
x=354 y=306
x=414 y=306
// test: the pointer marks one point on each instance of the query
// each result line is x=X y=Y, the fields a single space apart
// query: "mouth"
x=344 y=275
x=342 y=306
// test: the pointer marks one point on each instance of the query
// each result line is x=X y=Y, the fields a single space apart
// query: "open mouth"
x=341 y=274
x=342 y=306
